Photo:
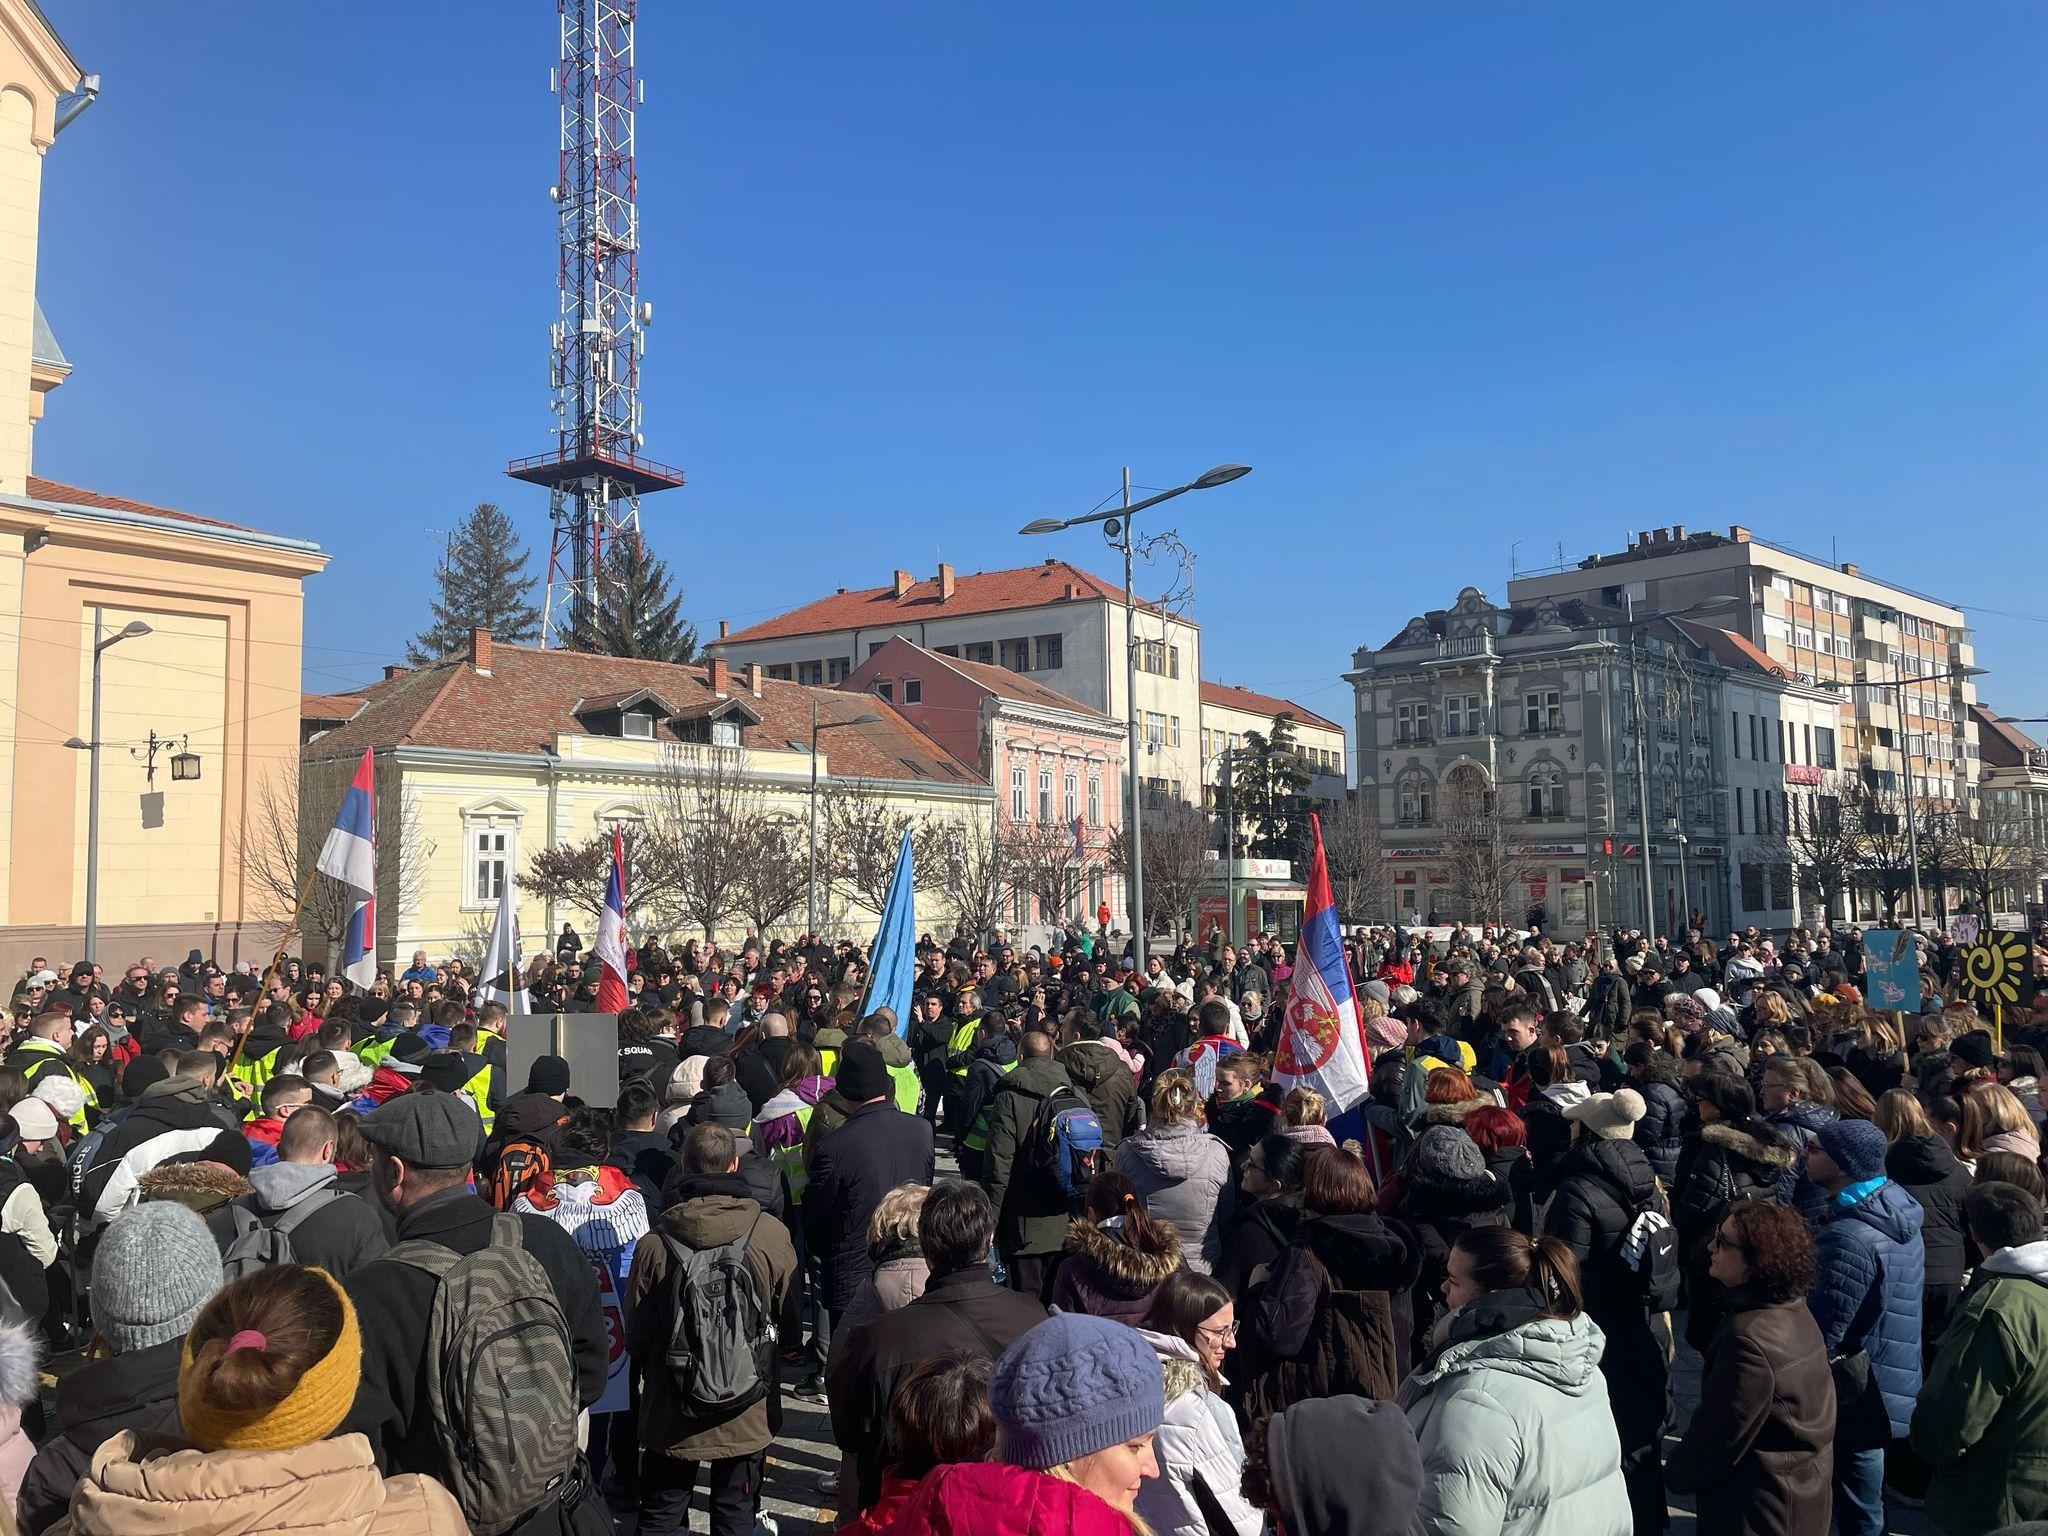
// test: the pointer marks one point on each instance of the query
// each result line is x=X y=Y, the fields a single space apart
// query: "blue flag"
x=892 y=966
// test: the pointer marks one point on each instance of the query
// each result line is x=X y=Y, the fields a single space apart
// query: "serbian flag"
x=350 y=856
x=1320 y=1044
x=611 y=934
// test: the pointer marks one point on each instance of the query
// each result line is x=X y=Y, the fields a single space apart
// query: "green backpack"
x=501 y=1386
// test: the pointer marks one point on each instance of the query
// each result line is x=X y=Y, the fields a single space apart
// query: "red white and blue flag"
x=611 y=933
x=350 y=856
x=1320 y=1043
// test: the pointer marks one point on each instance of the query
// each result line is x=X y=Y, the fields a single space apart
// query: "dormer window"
x=632 y=715
x=725 y=733
x=637 y=724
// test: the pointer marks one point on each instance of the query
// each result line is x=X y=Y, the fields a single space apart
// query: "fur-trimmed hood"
x=201 y=1186
x=1123 y=1267
x=1753 y=1142
x=19 y=1381
x=1449 y=1114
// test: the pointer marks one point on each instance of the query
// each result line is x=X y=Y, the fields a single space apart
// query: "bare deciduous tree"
x=774 y=877
x=1180 y=845
x=1882 y=843
x=1996 y=859
x=1819 y=844
x=861 y=835
x=704 y=836
x=1483 y=854
x=1357 y=857
x=1045 y=863
x=290 y=814
x=978 y=879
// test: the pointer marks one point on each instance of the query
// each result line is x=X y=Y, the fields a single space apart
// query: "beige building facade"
x=214 y=680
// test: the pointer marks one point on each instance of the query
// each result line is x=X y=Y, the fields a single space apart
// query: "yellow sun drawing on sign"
x=1994 y=968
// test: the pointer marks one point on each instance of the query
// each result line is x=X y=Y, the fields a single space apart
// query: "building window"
x=1045 y=794
x=1155 y=729
x=638 y=724
x=1016 y=654
x=1412 y=721
x=913 y=690
x=1173 y=729
x=489 y=852
x=983 y=651
x=1173 y=661
x=811 y=673
x=1017 y=793
x=1542 y=710
x=1752 y=888
x=1461 y=715
x=779 y=671
x=885 y=690
x=1546 y=794
x=1094 y=801
x=725 y=733
x=836 y=668
x=1735 y=733
x=1096 y=890
x=1823 y=746
x=1051 y=653
x=1417 y=796
x=1070 y=798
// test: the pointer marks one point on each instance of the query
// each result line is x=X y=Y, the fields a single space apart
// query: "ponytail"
x=1506 y=1260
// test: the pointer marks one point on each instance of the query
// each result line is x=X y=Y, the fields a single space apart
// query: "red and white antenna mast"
x=596 y=473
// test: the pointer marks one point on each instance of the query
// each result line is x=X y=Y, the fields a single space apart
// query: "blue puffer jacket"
x=1868 y=1295
x=1801 y=1123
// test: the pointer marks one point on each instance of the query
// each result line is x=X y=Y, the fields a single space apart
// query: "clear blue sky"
x=1450 y=275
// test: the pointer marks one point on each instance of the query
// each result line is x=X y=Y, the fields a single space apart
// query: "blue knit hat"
x=1073 y=1385
x=1857 y=1148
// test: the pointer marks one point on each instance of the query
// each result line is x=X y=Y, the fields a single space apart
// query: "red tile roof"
x=1998 y=744
x=1006 y=684
x=1030 y=586
x=1223 y=696
x=1734 y=651
x=531 y=695
x=328 y=706
x=57 y=490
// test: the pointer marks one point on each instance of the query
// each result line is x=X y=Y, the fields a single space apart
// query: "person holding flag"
x=1321 y=1044
x=350 y=856
x=610 y=947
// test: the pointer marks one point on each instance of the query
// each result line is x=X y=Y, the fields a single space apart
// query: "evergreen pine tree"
x=483 y=585
x=636 y=612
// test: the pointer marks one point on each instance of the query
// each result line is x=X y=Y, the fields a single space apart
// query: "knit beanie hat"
x=1444 y=1154
x=1072 y=1385
x=1344 y=1466
x=1609 y=1115
x=155 y=1267
x=312 y=1410
x=1857 y=1148
x=548 y=1074
x=863 y=1075
x=1688 y=1013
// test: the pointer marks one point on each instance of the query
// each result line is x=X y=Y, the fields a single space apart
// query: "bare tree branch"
x=774 y=878
x=1483 y=855
x=1180 y=840
x=979 y=881
x=1359 y=877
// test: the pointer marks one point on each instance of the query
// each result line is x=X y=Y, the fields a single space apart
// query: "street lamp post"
x=1898 y=686
x=817 y=730
x=1117 y=526
x=134 y=629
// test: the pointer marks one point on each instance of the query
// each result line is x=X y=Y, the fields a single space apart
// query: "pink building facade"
x=1053 y=761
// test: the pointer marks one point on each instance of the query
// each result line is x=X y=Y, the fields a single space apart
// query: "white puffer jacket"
x=1517 y=1435
x=1197 y=1439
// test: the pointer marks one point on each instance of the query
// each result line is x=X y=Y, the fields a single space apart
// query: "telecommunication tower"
x=596 y=473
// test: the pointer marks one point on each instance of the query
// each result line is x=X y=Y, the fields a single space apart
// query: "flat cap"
x=427 y=1130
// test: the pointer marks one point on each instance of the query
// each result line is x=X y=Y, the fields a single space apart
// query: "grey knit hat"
x=1073 y=1385
x=1444 y=1155
x=157 y=1265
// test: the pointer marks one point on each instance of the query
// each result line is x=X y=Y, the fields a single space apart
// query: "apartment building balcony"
x=1477 y=647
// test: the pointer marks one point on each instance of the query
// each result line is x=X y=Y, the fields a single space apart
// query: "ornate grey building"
x=1499 y=745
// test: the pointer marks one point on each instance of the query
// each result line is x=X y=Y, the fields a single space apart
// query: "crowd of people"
x=1057 y=1252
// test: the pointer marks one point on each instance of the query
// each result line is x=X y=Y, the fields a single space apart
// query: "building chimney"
x=1678 y=533
x=752 y=673
x=391 y=670
x=1849 y=569
x=903 y=585
x=480 y=651
x=945 y=583
x=1071 y=591
x=724 y=629
x=1738 y=534
x=719 y=675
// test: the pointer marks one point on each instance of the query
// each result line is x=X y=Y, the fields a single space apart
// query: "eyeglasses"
x=1224 y=1335
x=1723 y=1243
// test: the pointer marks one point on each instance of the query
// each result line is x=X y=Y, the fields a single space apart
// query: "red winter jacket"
x=988 y=1498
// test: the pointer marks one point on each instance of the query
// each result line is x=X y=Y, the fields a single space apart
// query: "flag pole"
x=284 y=941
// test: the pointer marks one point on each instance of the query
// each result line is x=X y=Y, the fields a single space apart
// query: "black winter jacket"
x=852 y=1167
x=1260 y=1235
x=1933 y=1175
x=390 y=1402
x=1602 y=1187
x=1337 y=1315
x=1661 y=1131
x=1725 y=1162
x=1439 y=1211
x=94 y=1403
